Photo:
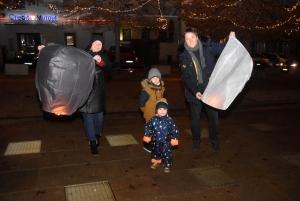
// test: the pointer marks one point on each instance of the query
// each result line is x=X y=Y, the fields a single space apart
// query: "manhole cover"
x=213 y=177
x=100 y=191
x=293 y=160
x=121 y=140
x=28 y=147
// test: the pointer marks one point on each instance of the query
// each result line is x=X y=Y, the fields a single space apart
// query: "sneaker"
x=215 y=146
x=154 y=166
x=167 y=170
x=147 y=147
x=196 y=145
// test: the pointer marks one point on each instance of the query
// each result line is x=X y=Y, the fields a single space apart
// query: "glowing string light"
x=293 y=7
x=227 y=5
x=54 y=7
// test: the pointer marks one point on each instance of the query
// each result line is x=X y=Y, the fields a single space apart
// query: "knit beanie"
x=97 y=37
x=162 y=103
x=154 y=72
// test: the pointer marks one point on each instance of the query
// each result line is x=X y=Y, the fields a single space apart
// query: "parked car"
x=264 y=60
x=287 y=62
x=128 y=58
x=257 y=61
x=27 y=55
x=272 y=60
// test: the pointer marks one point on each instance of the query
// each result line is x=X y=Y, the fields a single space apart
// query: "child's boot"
x=167 y=170
x=154 y=166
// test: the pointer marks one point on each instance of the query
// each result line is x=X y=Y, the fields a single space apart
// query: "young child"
x=163 y=133
x=153 y=90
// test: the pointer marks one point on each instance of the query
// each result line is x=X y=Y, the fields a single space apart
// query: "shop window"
x=70 y=39
x=145 y=33
x=28 y=39
x=126 y=34
x=163 y=37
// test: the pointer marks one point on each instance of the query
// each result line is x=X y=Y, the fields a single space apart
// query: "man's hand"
x=232 y=34
x=198 y=95
x=41 y=47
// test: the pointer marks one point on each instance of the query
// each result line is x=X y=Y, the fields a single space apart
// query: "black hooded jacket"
x=187 y=69
x=96 y=100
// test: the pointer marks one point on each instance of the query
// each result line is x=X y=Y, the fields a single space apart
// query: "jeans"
x=93 y=124
x=213 y=119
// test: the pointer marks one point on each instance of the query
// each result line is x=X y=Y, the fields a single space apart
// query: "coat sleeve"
x=217 y=48
x=186 y=68
x=144 y=97
x=108 y=64
x=174 y=130
x=149 y=129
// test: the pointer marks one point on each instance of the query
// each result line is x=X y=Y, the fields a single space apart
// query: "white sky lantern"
x=232 y=71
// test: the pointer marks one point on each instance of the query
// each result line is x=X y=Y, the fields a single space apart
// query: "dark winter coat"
x=161 y=129
x=149 y=97
x=96 y=100
x=188 y=73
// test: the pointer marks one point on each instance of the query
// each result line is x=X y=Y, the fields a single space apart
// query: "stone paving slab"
x=250 y=140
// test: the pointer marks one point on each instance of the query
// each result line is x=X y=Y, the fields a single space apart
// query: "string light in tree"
x=192 y=16
x=75 y=10
x=227 y=5
x=293 y=8
x=66 y=13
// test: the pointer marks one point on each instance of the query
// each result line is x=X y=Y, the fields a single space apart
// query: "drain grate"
x=100 y=191
x=293 y=160
x=213 y=177
x=29 y=147
x=262 y=127
x=121 y=140
x=204 y=132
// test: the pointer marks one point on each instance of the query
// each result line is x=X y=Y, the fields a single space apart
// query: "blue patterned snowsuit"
x=162 y=130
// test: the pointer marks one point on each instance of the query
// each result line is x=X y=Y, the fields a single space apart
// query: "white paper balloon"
x=232 y=71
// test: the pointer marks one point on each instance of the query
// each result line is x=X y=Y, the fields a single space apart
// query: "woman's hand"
x=98 y=58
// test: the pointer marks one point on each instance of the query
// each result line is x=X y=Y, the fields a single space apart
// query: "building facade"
x=37 y=24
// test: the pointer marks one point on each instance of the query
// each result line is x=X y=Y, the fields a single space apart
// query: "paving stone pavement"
x=259 y=139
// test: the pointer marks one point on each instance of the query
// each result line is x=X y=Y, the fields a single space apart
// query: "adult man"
x=196 y=62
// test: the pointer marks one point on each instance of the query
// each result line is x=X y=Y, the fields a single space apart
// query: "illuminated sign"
x=33 y=17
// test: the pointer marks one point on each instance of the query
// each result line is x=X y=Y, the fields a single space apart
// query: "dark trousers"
x=93 y=123
x=213 y=120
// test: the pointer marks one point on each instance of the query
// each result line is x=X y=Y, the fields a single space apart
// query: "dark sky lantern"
x=64 y=78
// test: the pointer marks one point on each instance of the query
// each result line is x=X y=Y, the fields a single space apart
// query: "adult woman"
x=92 y=110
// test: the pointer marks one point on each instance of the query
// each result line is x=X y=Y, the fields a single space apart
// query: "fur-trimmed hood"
x=146 y=84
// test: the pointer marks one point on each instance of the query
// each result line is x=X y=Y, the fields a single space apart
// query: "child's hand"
x=147 y=139
x=174 y=142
